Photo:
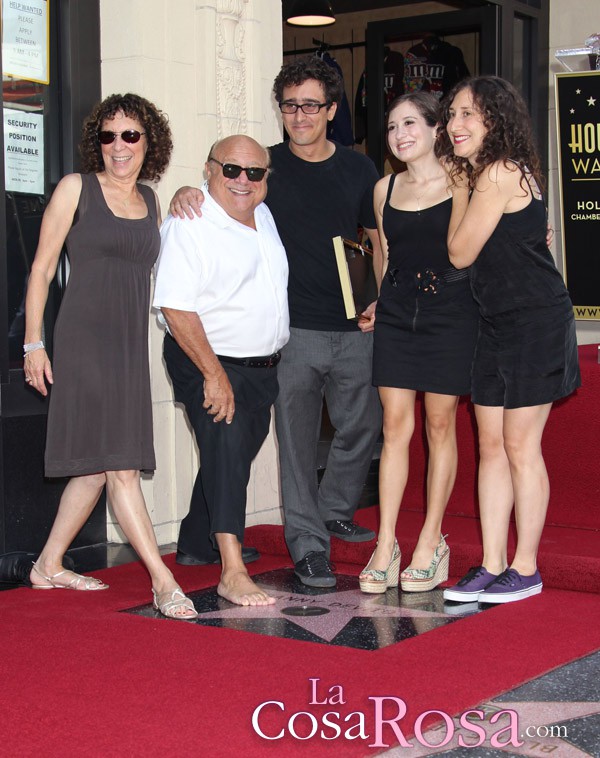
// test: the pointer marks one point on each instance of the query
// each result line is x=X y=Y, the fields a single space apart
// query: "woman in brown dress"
x=100 y=415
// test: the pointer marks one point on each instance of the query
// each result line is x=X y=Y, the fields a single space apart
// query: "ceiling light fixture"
x=311 y=13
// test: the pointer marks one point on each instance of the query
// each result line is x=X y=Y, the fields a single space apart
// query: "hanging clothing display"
x=339 y=128
x=433 y=66
x=393 y=86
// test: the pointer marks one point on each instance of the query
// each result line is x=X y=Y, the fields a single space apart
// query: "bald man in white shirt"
x=221 y=286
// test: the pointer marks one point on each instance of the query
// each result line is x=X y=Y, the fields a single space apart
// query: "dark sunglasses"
x=131 y=136
x=232 y=171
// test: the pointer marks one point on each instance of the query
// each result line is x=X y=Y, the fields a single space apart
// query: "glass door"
x=430 y=52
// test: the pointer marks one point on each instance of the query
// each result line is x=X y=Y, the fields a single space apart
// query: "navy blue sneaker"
x=510 y=586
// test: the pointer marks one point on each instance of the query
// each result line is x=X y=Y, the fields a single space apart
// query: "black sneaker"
x=314 y=570
x=349 y=531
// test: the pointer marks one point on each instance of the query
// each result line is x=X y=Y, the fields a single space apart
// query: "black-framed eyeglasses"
x=232 y=171
x=309 y=108
x=131 y=136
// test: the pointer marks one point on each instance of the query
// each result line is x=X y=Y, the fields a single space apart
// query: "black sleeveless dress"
x=426 y=320
x=100 y=414
x=527 y=349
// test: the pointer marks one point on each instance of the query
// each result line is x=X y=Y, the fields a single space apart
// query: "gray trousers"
x=337 y=366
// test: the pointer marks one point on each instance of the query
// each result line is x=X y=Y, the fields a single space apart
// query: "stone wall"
x=210 y=65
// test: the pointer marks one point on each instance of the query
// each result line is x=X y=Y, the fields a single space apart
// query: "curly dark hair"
x=153 y=121
x=310 y=67
x=509 y=134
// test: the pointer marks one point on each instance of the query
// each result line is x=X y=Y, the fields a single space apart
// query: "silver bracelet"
x=29 y=347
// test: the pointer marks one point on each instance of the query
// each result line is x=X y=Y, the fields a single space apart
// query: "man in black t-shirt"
x=319 y=190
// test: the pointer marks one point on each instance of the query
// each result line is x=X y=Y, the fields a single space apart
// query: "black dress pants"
x=218 y=502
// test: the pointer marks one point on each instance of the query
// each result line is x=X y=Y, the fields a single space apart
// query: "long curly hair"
x=153 y=121
x=509 y=134
x=310 y=67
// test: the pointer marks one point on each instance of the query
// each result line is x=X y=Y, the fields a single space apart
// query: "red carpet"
x=79 y=678
x=569 y=556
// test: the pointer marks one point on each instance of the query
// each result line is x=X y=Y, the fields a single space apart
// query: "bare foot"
x=238 y=588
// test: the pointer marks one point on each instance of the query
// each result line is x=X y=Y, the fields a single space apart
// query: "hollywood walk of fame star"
x=540 y=719
x=591 y=101
x=342 y=607
x=339 y=616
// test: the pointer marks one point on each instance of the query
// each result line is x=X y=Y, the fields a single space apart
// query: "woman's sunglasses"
x=131 y=136
x=232 y=171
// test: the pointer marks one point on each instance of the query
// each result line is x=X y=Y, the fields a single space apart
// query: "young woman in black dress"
x=425 y=332
x=526 y=354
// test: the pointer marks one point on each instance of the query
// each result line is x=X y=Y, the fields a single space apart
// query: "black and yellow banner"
x=578 y=124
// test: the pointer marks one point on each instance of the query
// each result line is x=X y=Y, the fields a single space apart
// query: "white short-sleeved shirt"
x=232 y=276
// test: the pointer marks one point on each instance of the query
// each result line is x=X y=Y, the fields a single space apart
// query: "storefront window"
x=28 y=83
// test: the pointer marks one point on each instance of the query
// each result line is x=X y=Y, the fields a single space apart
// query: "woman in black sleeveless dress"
x=100 y=415
x=526 y=354
x=425 y=332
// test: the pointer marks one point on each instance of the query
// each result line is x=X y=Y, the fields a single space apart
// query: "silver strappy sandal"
x=169 y=603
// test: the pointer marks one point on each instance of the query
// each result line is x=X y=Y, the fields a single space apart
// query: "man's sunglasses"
x=131 y=136
x=232 y=171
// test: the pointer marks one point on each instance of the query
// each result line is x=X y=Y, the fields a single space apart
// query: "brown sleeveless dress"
x=100 y=414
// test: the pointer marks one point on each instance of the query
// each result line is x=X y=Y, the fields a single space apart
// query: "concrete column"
x=210 y=65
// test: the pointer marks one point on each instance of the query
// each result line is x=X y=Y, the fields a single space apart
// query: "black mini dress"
x=426 y=320
x=527 y=349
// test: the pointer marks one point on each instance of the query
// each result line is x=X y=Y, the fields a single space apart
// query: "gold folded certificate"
x=354 y=269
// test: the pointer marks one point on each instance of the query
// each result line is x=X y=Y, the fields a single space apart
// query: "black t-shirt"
x=312 y=203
